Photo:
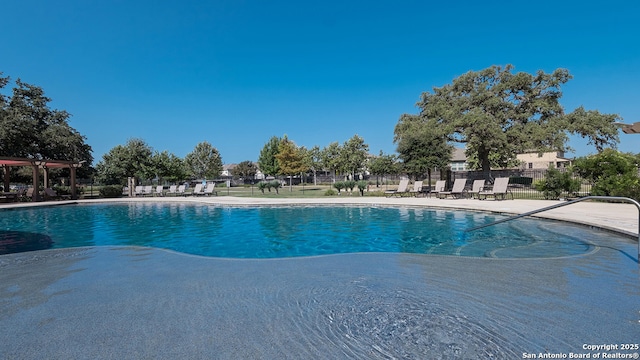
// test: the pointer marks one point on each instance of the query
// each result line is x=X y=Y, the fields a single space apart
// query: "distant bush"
x=111 y=191
x=339 y=185
x=262 y=185
x=362 y=185
x=276 y=184
x=557 y=182
x=350 y=185
x=330 y=192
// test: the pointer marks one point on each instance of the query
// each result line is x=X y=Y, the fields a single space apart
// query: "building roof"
x=458 y=155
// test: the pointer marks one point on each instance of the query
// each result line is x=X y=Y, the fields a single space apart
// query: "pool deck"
x=143 y=303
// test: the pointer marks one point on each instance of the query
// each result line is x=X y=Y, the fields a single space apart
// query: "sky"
x=235 y=73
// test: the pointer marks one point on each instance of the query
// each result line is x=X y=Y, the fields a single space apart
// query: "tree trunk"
x=483 y=157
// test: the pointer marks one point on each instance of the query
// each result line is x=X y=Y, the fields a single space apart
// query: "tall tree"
x=204 y=161
x=495 y=112
x=290 y=160
x=246 y=170
x=168 y=166
x=29 y=128
x=313 y=161
x=267 y=161
x=353 y=157
x=330 y=158
x=383 y=164
x=421 y=146
x=131 y=160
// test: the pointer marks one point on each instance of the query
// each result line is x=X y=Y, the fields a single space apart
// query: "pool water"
x=278 y=232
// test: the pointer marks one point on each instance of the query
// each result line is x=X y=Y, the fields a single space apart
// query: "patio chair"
x=457 y=191
x=500 y=189
x=139 y=190
x=197 y=190
x=402 y=188
x=438 y=187
x=210 y=189
x=478 y=185
x=159 y=190
x=173 y=189
x=417 y=189
x=148 y=190
x=181 y=190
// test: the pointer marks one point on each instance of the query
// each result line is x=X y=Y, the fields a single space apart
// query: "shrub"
x=330 y=192
x=263 y=185
x=362 y=185
x=350 y=184
x=339 y=185
x=557 y=182
x=276 y=184
x=111 y=191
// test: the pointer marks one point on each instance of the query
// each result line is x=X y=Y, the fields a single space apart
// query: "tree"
x=613 y=173
x=313 y=160
x=330 y=158
x=204 y=161
x=422 y=146
x=383 y=164
x=121 y=162
x=168 y=166
x=246 y=170
x=290 y=160
x=29 y=128
x=267 y=161
x=353 y=156
x=495 y=112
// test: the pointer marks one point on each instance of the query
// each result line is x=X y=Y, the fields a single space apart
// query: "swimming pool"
x=289 y=231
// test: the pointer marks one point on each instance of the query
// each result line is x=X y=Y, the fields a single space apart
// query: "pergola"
x=36 y=165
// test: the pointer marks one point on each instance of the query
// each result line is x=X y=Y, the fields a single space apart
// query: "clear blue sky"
x=235 y=73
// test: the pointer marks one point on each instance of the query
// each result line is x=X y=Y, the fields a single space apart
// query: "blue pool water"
x=277 y=232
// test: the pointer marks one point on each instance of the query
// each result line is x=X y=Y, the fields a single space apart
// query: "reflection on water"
x=21 y=241
x=276 y=232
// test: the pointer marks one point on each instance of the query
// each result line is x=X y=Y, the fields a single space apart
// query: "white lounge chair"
x=438 y=187
x=478 y=185
x=402 y=188
x=139 y=190
x=457 y=191
x=417 y=188
x=159 y=190
x=173 y=189
x=197 y=190
x=500 y=189
x=148 y=190
x=210 y=189
x=181 y=190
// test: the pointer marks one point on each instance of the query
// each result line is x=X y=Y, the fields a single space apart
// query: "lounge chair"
x=159 y=190
x=197 y=190
x=172 y=190
x=210 y=189
x=148 y=190
x=457 y=191
x=402 y=188
x=478 y=185
x=417 y=189
x=182 y=190
x=438 y=187
x=500 y=189
x=139 y=190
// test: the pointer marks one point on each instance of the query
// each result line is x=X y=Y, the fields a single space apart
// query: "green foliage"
x=290 y=159
x=352 y=157
x=330 y=157
x=330 y=192
x=339 y=185
x=204 y=161
x=111 y=191
x=267 y=161
x=613 y=173
x=384 y=164
x=29 y=128
x=131 y=160
x=245 y=170
x=275 y=184
x=168 y=167
x=349 y=185
x=556 y=182
x=422 y=145
x=498 y=114
x=362 y=186
x=263 y=185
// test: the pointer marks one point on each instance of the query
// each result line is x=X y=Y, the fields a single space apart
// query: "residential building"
x=537 y=160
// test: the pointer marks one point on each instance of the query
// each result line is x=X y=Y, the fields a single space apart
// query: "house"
x=227 y=170
x=535 y=160
x=458 y=160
